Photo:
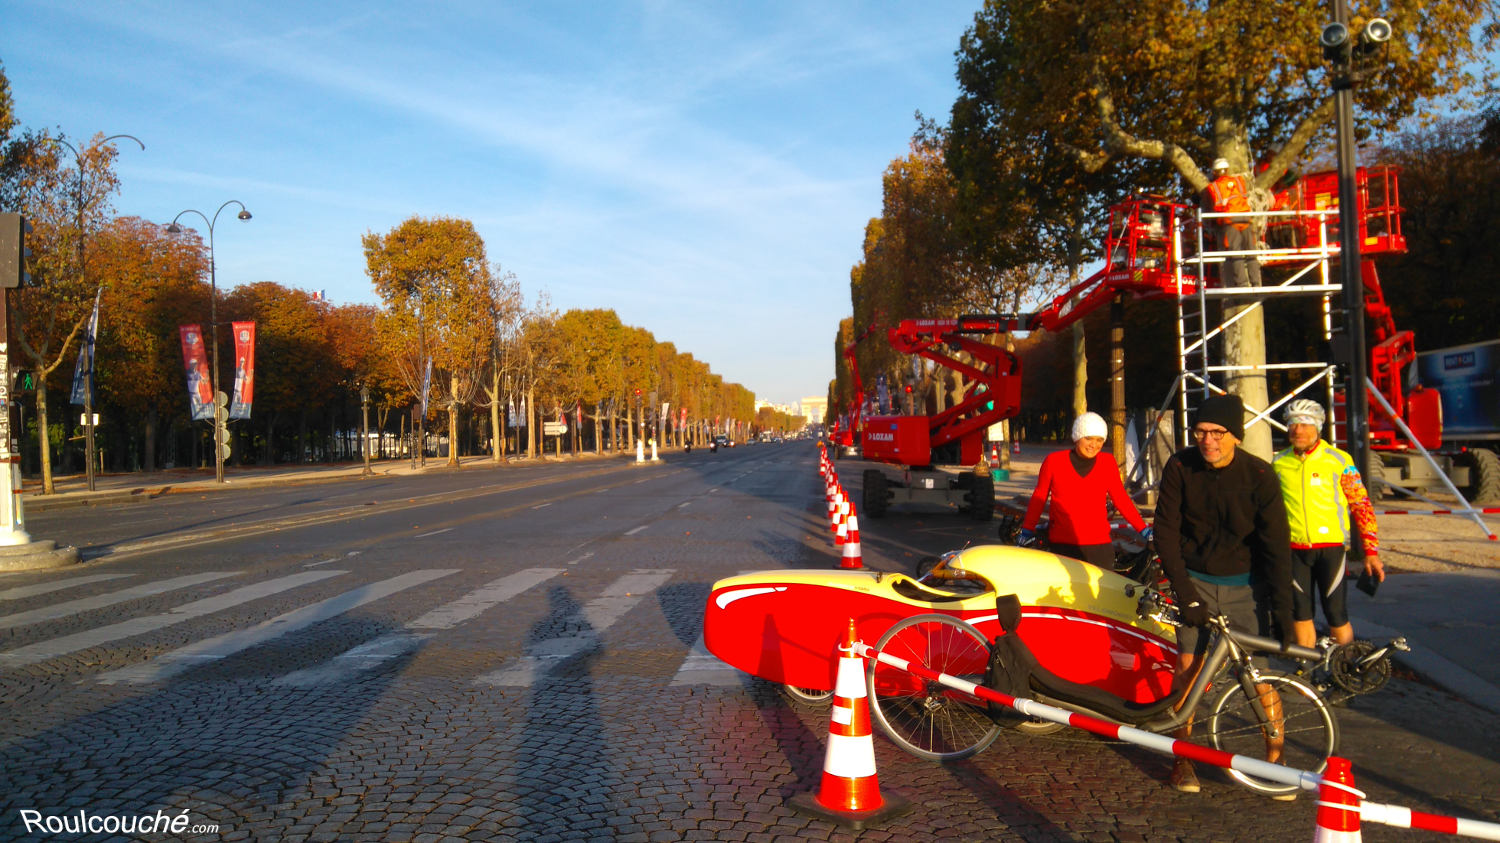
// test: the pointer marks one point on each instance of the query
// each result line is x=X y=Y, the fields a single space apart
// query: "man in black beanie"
x=1221 y=530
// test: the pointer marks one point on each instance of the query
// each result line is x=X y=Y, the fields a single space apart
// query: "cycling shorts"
x=1318 y=572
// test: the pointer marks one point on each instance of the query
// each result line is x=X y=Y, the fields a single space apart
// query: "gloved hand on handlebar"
x=1028 y=537
x=1193 y=613
x=1149 y=533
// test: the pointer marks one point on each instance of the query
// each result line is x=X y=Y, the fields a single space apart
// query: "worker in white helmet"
x=1230 y=194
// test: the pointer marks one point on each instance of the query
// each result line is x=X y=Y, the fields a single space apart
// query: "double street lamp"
x=88 y=386
x=1341 y=47
x=221 y=410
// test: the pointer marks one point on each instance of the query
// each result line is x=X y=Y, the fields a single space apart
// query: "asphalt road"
x=516 y=654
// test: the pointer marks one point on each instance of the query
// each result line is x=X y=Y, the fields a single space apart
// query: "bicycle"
x=932 y=721
x=1357 y=667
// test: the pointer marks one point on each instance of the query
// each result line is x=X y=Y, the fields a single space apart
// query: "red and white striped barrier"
x=1487 y=510
x=1375 y=812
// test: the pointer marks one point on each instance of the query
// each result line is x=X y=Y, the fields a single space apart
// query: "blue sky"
x=705 y=169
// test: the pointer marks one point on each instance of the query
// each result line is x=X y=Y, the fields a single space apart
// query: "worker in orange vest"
x=1230 y=194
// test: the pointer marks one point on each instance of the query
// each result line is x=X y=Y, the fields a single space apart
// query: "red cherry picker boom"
x=937 y=458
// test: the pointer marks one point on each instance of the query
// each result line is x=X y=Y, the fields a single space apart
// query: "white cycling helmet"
x=1303 y=411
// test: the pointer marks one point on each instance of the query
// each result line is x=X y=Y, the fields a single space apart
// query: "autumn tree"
x=434 y=280
x=66 y=198
x=151 y=286
x=507 y=307
x=1180 y=83
x=1450 y=194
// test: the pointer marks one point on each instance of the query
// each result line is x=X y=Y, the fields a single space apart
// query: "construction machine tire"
x=1484 y=476
x=982 y=499
x=1372 y=473
x=875 y=496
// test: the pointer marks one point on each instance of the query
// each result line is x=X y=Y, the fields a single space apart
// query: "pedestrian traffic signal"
x=25 y=381
x=13 y=251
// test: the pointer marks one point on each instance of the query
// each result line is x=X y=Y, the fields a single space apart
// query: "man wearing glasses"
x=1221 y=530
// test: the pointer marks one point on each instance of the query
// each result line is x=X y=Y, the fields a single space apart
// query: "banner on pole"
x=244 y=370
x=200 y=387
x=83 y=371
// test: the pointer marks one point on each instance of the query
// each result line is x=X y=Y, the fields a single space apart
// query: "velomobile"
x=785 y=626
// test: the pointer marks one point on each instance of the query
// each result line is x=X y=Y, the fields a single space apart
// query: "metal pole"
x=364 y=411
x=220 y=410
x=1356 y=400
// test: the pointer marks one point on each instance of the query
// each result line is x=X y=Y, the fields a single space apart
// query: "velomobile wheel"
x=807 y=697
x=922 y=717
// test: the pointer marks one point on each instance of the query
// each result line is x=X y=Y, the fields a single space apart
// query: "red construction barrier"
x=1374 y=812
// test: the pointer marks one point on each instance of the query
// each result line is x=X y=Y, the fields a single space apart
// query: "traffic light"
x=13 y=251
x=25 y=381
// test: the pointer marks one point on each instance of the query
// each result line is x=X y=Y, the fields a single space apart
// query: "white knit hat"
x=1090 y=424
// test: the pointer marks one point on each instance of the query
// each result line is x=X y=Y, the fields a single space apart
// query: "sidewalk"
x=1441 y=587
x=72 y=489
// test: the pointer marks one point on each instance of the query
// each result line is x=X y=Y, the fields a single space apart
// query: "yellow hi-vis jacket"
x=1317 y=489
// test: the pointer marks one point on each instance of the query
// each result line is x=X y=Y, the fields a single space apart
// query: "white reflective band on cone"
x=850 y=757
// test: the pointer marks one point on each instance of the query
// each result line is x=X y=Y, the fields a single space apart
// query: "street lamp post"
x=364 y=424
x=1341 y=47
x=221 y=411
x=88 y=387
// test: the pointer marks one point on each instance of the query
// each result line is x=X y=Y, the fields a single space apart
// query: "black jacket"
x=1224 y=522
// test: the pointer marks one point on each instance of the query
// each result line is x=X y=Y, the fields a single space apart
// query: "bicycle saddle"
x=1014 y=670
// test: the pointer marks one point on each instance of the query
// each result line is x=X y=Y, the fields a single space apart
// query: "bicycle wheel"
x=922 y=717
x=1311 y=732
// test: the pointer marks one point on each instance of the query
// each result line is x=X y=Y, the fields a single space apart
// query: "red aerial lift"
x=1146 y=258
x=939 y=455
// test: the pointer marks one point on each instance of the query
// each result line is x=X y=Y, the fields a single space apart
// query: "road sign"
x=554 y=428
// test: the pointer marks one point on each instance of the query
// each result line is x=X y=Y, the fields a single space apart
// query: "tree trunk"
x=44 y=443
x=148 y=449
x=1245 y=346
x=1080 y=371
x=453 y=421
x=1117 y=380
x=531 y=423
x=497 y=424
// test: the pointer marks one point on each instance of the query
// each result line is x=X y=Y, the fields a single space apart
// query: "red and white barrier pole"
x=1374 y=812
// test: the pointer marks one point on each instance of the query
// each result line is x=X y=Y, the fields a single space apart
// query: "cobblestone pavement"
x=557 y=690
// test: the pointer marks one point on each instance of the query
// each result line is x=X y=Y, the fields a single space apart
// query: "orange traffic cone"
x=841 y=518
x=1338 y=804
x=1015 y=446
x=850 y=791
x=853 y=557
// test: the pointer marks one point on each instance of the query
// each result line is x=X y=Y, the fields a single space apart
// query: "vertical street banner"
x=200 y=387
x=578 y=415
x=682 y=418
x=244 y=370
x=83 y=371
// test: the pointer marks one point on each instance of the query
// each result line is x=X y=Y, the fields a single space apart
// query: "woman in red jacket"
x=1080 y=482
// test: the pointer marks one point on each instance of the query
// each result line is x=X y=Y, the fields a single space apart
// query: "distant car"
x=723 y=441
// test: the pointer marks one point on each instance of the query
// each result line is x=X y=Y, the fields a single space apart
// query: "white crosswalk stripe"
x=22 y=591
x=43 y=650
x=85 y=604
x=377 y=651
x=220 y=646
x=592 y=620
x=596 y=616
x=704 y=668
